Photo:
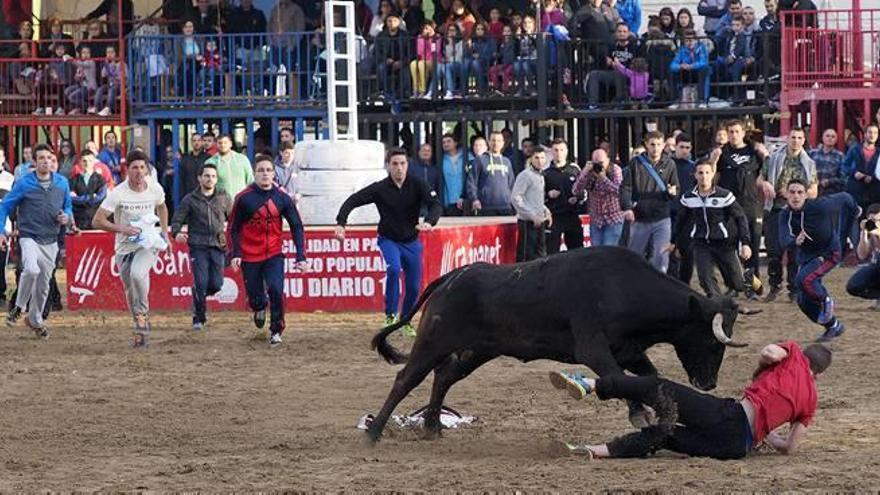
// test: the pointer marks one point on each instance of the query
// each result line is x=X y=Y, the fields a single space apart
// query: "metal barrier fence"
x=831 y=49
x=226 y=70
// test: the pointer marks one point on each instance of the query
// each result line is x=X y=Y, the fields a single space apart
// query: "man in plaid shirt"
x=601 y=180
x=829 y=164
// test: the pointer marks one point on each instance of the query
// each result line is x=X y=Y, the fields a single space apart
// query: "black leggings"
x=690 y=422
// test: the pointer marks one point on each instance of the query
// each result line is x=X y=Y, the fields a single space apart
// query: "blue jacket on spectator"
x=697 y=58
x=630 y=13
x=36 y=216
x=506 y=53
x=112 y=158
x=484 y=49
x=855 y=161
x=822 y=219
x=734 y=44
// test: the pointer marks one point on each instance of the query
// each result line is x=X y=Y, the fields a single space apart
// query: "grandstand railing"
x=831 y=49
x=229 y=70
x=37 y=83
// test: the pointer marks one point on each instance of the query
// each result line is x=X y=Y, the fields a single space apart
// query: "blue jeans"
x=607 y=235
x=408 y=257
x=524 y=70
x=474 y=68
x=264 y=277
x=448 y=71
x=811 y=291
x=207 y=269
x=658 y=234
x=865 y=282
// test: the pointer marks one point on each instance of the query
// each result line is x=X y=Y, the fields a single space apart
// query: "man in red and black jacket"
x=256 y=237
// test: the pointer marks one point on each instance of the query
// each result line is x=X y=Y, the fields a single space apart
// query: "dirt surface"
x=222 y=411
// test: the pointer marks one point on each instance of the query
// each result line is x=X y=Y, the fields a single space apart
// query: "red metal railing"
x=831 y=49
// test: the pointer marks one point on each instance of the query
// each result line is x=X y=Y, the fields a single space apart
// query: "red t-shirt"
x=783 y=393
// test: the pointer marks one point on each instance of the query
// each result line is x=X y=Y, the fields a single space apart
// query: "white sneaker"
x=275 y=340
x=59 y=111
x=39 y=111
x=448 y=95
x=104 y=112
x=198 y=327
x=92 y=111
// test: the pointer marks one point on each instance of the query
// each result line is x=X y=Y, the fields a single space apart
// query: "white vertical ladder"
x=343 y=120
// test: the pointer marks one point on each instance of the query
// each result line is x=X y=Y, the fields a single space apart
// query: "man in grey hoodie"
x=531 y=214
x=204 y=212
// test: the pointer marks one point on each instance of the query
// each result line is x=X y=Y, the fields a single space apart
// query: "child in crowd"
x=637 y=75
x=450 y=63
x=552 y=15
x=516 y=22
x=85 y=81
x=479 y=51
x=496 y=25
x=51 y=81
x=212 y=63
x=111 y=75
x=503 y=62
x=427 y=53
x=527 y=56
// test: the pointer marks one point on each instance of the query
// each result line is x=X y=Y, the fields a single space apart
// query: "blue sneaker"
x=832 y=332
x=827 y=311
x=577 y=385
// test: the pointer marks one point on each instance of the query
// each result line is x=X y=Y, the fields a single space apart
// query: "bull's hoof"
x=372 y=437
x=431 y=434
x=642 y=419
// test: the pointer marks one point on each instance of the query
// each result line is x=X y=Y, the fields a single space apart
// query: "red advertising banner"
x=345 y=275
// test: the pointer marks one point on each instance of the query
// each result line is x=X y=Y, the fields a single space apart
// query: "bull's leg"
x=639 y=415
x=455 y=368
x=407 y=379
x=595 y=353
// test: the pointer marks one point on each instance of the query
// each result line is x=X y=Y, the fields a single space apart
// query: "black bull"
x=600 y=307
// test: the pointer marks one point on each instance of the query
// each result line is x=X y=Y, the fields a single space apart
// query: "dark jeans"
x=706 y=426
x=775 y=253
x=3 y=288
x=606 y=78
x=207 y=269
x=393 y=81
x=707 y=256
x=568 y=225
x=530 y=241
x=262 y=278
x=865 y=282
x=699 y=77
x=753 y=264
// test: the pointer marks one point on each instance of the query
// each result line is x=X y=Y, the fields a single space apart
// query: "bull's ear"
x=702 y=308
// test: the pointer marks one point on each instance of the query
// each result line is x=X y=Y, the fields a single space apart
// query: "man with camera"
x=865 y=282
x=601 y=180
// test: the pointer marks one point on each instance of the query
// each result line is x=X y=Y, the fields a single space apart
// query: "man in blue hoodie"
x=490 y=181
x=812 y=228
x=43 y=205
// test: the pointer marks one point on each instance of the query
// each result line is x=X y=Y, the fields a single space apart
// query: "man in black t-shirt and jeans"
x=738 y=164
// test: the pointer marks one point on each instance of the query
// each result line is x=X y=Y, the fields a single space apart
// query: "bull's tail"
x=381 y=345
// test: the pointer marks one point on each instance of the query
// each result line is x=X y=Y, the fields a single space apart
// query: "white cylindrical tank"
x=330 y=171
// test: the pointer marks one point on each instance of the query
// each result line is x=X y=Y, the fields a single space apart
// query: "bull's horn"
x=718 y=330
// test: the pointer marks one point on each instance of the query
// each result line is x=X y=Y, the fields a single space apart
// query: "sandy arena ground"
x=221 y=411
